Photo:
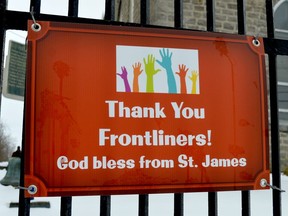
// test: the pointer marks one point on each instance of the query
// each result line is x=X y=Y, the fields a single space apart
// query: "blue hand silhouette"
x=166 y=63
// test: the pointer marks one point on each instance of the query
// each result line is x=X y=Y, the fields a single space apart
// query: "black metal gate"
x=18 y=21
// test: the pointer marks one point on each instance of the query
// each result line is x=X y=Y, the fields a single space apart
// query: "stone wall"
x=283 y=148
x=194 y=15
x=225 y=15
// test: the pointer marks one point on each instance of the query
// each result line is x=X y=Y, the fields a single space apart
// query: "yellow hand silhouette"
x=193 y=78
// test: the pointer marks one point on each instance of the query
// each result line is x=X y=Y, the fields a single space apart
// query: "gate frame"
x=273 y=47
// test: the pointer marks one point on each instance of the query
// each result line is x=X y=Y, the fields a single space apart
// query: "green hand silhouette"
x=150 y=72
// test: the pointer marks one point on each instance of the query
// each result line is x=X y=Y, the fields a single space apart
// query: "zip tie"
x=264 y=183
x=35 y=26
x=32 y=189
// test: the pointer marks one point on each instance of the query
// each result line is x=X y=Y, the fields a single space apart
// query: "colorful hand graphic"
x=194 y=78
x=150 y=66
x=166 y=59
x=182 y=74
x=136 y=71
x=124 y=76
x=150 y=72
x=124 y=73
x=166 y=63
x=182 y=71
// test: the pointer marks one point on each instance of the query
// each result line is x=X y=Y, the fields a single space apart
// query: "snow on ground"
x=229 y=203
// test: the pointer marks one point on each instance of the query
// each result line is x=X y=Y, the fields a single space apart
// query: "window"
x=281 y=31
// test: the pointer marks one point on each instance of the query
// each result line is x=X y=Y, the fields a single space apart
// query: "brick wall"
x=162 y=14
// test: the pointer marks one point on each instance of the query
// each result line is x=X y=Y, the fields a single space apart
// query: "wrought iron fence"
x=18 y=21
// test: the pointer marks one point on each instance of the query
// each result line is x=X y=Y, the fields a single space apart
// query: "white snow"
x=229 y=203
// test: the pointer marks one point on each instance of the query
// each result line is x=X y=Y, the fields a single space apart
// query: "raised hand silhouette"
x=194 y=78
x=166 y=63
x=137 y=72
x=182 y=74
x=124 y=76
x=150 y=72
x=166 y=58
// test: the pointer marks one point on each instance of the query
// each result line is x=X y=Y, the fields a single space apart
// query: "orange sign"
x=118 y=110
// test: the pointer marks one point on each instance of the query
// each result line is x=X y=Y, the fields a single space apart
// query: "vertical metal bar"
x=145 y=14
x=143 y=205
x=110 y=10
x=24 y=203
x=178 y=23
x=245 y=195
x=212 y=204
x=144 y=19
x=269 y=18
x=212 y=196
x=246 y=203
x=105 y=201
x=210 y=15
x=73 y=8
x=36 y=4
x=105 y=205
x=241 y=16
x=178 y=13
x=275 y=144
x=66 y=205
x=3 y=6
x=178 y=204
